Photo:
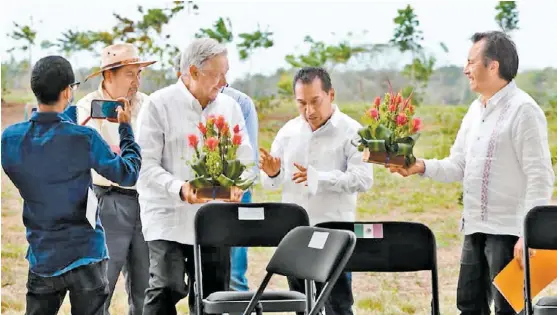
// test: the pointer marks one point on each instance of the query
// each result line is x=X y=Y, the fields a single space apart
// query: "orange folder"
x=510 y=281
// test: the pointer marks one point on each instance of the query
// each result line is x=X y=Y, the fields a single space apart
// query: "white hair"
x=199 y=51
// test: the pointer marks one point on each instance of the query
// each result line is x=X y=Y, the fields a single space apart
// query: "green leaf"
x=234 y=169
x=200 y=182
x=244 y=184
x=200 y=168
x=225 y=181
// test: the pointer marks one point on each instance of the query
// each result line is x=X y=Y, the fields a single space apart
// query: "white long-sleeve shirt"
x=501 y=154
x=164 y=123
x=336 y=172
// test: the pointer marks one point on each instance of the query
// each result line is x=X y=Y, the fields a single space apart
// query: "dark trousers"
x=483 y=257
x=88 y=287
x=169 y=262
x=128 y=250
x=341 y=299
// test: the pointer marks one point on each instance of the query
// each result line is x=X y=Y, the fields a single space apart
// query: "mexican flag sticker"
x=368 y=230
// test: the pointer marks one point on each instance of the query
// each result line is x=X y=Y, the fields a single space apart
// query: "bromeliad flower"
x=193 y=140
x=237 y=139
x=401 y=119
x=212 y=143
x=416 y=124
x=220 y=122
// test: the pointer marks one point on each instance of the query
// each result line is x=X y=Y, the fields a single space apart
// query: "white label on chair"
x=318 y=240
x=246 y=213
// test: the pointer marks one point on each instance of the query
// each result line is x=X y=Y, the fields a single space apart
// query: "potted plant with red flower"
x=391 y=131
x=215 y=165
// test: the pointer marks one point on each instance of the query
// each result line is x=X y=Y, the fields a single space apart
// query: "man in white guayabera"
x=501 y=154
x=168 y=202
x=313 y=160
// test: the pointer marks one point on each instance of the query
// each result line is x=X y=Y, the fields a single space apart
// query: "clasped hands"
x=271 y=166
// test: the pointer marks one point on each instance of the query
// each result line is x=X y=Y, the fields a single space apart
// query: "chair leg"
x=258 y=309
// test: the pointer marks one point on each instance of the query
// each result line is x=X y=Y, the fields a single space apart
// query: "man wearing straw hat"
x=119 y=207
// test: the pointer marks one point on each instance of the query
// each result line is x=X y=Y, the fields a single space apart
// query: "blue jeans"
x=239 y=260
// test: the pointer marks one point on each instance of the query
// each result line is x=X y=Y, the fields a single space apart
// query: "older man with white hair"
x=168 y=203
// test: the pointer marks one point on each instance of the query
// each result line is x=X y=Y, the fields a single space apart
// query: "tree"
x=507 y=16
x=408 y=37
x=143 y=33
x=323 y=55
x=221 y=31
x=27 y=35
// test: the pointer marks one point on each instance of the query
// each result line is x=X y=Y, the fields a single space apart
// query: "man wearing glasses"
x=120 y=70
x=49 y=159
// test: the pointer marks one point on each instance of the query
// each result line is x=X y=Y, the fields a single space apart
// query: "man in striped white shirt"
x=501 y=155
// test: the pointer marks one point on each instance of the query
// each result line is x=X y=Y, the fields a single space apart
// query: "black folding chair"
x=245 y=225
x=540 y=232
x=393 y=247
x=309 y=253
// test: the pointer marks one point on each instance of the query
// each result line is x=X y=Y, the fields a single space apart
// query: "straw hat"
x=119 y=55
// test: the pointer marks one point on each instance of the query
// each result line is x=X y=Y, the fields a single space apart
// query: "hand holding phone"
x=111 y=109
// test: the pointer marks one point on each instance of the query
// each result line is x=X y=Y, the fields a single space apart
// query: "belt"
x=120 y=190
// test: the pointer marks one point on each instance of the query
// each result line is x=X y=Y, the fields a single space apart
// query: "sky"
x=448 y=21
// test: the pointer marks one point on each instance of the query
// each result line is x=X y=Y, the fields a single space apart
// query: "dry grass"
x=392 y=198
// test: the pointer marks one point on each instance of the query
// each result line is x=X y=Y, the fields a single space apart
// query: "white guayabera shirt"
x=501 y=154
x=164 y=123
x=336 y=172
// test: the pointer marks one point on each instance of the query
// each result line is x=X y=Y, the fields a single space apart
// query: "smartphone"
x=102 y=109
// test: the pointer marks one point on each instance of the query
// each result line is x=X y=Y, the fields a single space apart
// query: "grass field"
x=391 y=198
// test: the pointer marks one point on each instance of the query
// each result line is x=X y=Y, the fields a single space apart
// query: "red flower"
x=236 y=129
x=202 y=128
x=410 y=109
x=377 y=101
x=212 y=143
x=226 y=129
x=401 y=119
x=416 y=124
x=220 y=122
x=373 y=113
x=392 y=108
x=398 y=99
x=237 y=139
x=193 y=140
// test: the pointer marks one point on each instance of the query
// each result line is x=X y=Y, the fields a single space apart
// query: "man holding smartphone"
x=49 y=159
x=120 y=70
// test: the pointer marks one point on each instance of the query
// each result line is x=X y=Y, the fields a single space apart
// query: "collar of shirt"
x=48 y=117
x=497 y=97
x=191 y=100
x=333 y=120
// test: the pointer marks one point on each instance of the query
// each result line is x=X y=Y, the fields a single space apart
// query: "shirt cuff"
x=314 y=177
x=428 y=166
x=175 y=188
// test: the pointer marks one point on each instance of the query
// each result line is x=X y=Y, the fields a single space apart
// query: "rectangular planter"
x=381 y=158
x=214 y=193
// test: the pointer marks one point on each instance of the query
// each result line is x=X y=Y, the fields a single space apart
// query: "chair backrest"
x=249 y=225
x=312 y=253
x=540 y=228
x=540 y=232
x=386 y=246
